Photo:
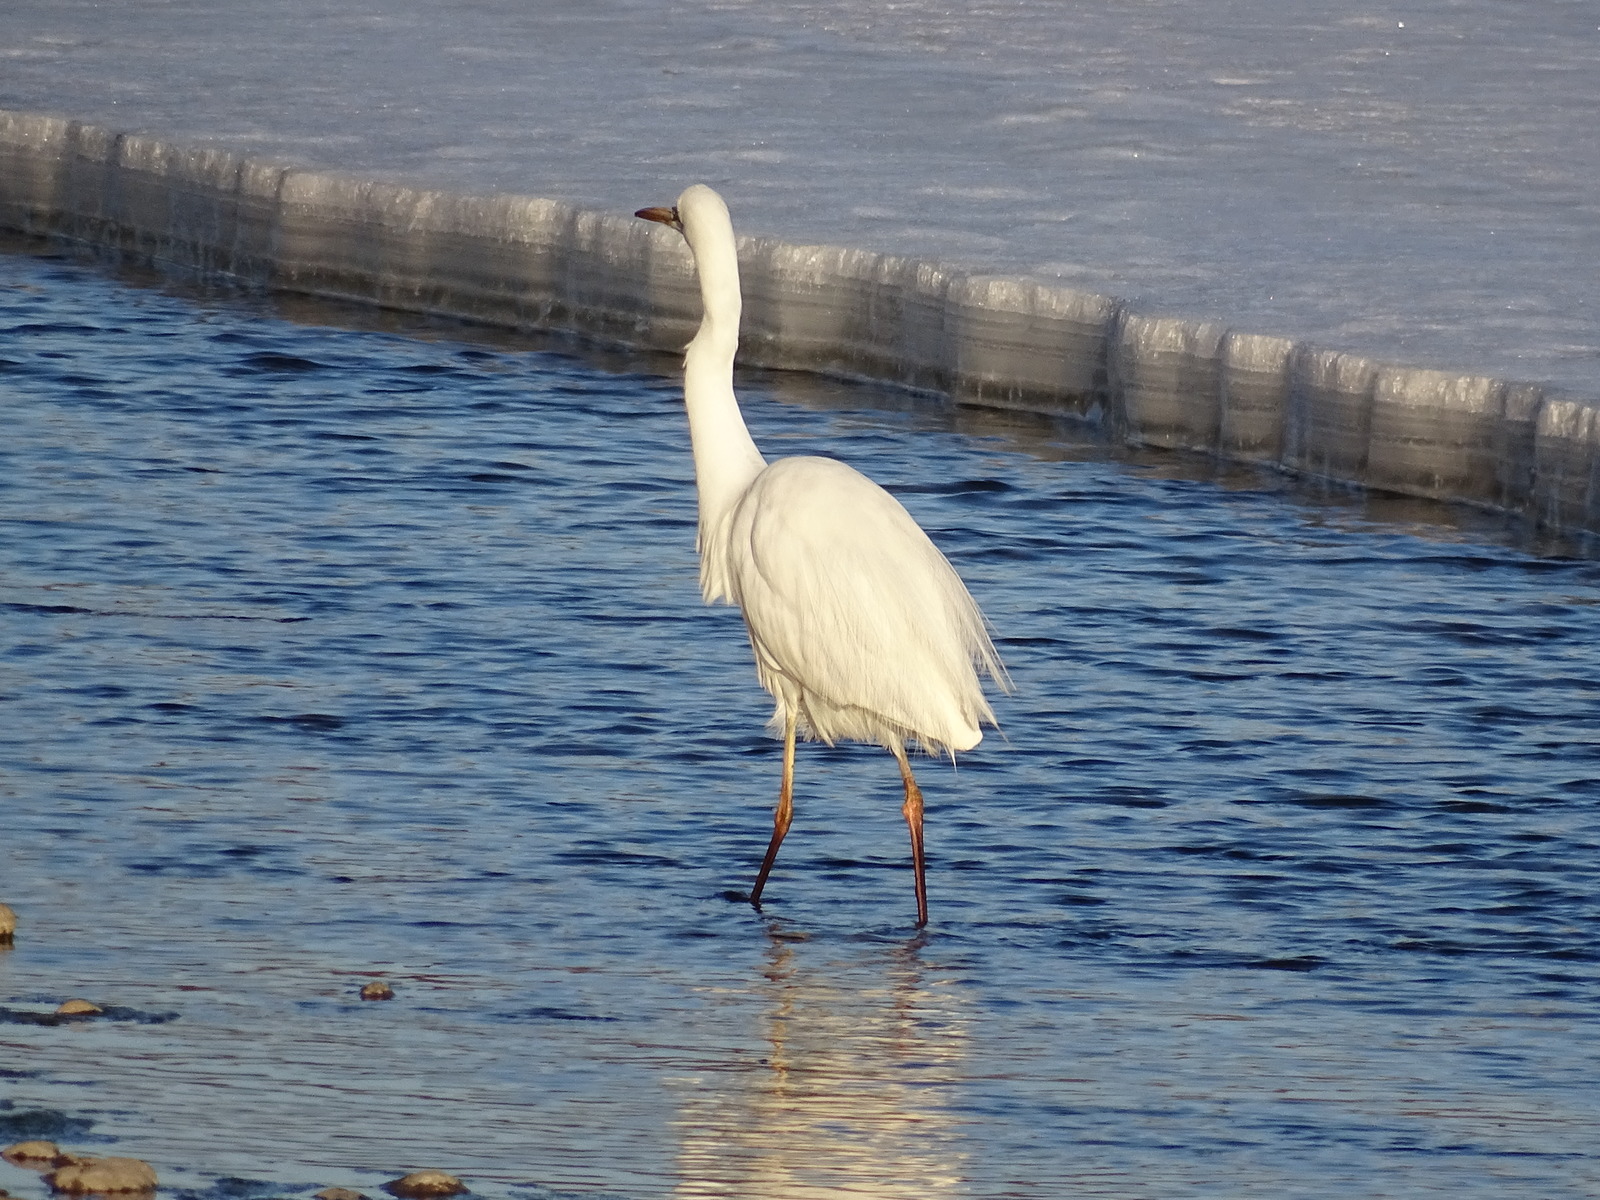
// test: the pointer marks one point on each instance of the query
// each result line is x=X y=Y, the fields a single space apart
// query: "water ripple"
x=334 y=654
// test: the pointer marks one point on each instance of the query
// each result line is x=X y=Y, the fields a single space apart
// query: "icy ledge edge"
x=1001 y=342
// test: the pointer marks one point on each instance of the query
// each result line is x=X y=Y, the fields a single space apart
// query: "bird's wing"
x=845 y=595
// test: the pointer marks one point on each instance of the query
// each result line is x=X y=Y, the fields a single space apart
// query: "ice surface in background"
x=1413 y=181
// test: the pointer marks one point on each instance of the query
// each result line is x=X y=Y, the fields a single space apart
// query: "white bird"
x=862 y=631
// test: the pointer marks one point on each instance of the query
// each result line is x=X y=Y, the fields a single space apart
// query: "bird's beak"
x=667 y=216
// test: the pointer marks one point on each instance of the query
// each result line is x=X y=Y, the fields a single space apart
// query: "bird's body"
x=877 y=647
x=862 y=631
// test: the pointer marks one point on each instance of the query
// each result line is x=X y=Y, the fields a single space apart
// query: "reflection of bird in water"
x=861 y=630
x=846 y=1079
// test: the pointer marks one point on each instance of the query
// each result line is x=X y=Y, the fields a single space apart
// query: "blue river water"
x=333 y=653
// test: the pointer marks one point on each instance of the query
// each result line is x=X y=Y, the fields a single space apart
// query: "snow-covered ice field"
x=1416 y=181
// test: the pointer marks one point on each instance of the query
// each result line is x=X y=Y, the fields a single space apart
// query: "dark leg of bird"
x=913 y=814
x=785 y=813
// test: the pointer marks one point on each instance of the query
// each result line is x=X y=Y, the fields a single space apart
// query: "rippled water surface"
x=332 y=654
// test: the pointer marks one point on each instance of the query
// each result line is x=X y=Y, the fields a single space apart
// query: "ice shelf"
x=1004 y=342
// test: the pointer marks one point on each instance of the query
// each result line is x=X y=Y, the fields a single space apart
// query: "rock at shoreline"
x=35 y=1155
x=421 y=1185
x=103 y=1175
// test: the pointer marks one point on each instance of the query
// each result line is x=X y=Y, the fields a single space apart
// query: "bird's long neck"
x=725 y=456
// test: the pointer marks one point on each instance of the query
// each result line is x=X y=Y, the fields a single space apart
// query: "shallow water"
x=331 y=654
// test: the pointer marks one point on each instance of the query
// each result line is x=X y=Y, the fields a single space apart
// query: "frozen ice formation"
x=998 y=341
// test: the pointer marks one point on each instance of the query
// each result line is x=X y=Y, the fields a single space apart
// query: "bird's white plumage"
x=861 y=630
x=857 y=620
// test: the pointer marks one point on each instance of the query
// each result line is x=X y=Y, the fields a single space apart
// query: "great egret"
x=861 y=630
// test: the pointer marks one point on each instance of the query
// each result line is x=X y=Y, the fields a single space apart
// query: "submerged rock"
x=339 y=1193
x=419 y=1185
x=377 y=990
x=8 y=924
x=103 y=1175
x=78 y=1007
x=36 y=1155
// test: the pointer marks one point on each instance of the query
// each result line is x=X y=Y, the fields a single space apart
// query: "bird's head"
x=698 y=209
x=702 y=217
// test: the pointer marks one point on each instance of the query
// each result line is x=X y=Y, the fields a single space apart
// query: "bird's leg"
x=785 y=812
x=912 y=809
